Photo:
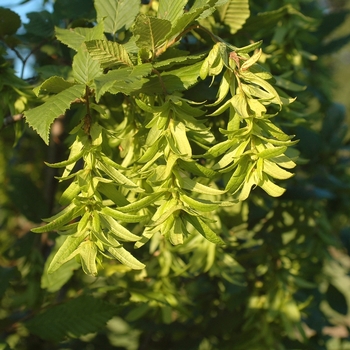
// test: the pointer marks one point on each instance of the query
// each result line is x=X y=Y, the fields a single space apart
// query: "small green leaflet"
x=40 y=118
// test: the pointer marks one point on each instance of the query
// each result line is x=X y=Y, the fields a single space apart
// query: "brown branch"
x=11 y=119
x=160 y=81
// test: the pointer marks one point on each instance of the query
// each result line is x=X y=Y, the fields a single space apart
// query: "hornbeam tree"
x=193 y=159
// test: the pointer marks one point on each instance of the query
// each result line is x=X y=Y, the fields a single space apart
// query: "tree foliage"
x=201 y=190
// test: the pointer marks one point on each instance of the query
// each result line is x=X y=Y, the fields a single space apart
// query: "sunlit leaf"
x=40 y=118
x=234 y=14
x=108 y=53
x=151 y=31
x=116 y=15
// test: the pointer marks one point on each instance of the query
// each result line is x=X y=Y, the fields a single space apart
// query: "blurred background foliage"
x=283 y=280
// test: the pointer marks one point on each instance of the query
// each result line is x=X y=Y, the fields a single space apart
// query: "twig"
x=11 y=119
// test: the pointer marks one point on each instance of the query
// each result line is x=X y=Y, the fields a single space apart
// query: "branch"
x=12 y=119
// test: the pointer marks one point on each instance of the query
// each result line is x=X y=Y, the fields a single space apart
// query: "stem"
x=87 y=119
x=24 y=60
x=160 y=81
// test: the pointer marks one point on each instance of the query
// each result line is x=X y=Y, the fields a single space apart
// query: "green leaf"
x=59 y=220
x=69 y=37
x=137 y=312
x=336 y=299
x=119 y=231
x=74 y=37
x=117 y=176
x=71 y=160
x=75 y=149
x=178 y=131
x=40 y=118
x=252 y=60
x=271 y=188
x=125 y=80
x=108 y=53
x=150 y=31
x=9 y=22
x=248 y=48
x=150 y=151
x=176 y=233
x=250 y=180
x=226 y=82
x=111 y=192
x=75 y=317
x=199 y=204
x=118 y=215
x=234 y=14
x=142 y=203
x=196 y=169
x=254 y=79
x=88 y=253
x=204 y=229
x=64 y=253
x=21 y=189
x=55 y=280
x=126 y=258
x=288 y=85
x=175 y=80
x=239 y=102
x=53 y=85
x=40 y=24
x=116 y=14
x=192 y=185
x=198 y=8
x=275 y=171
x=268 y=153
x=237 y=179
x=267 y=19
x=167 y=214
x=171 y=10
x=85 y=69
x=232 y=155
